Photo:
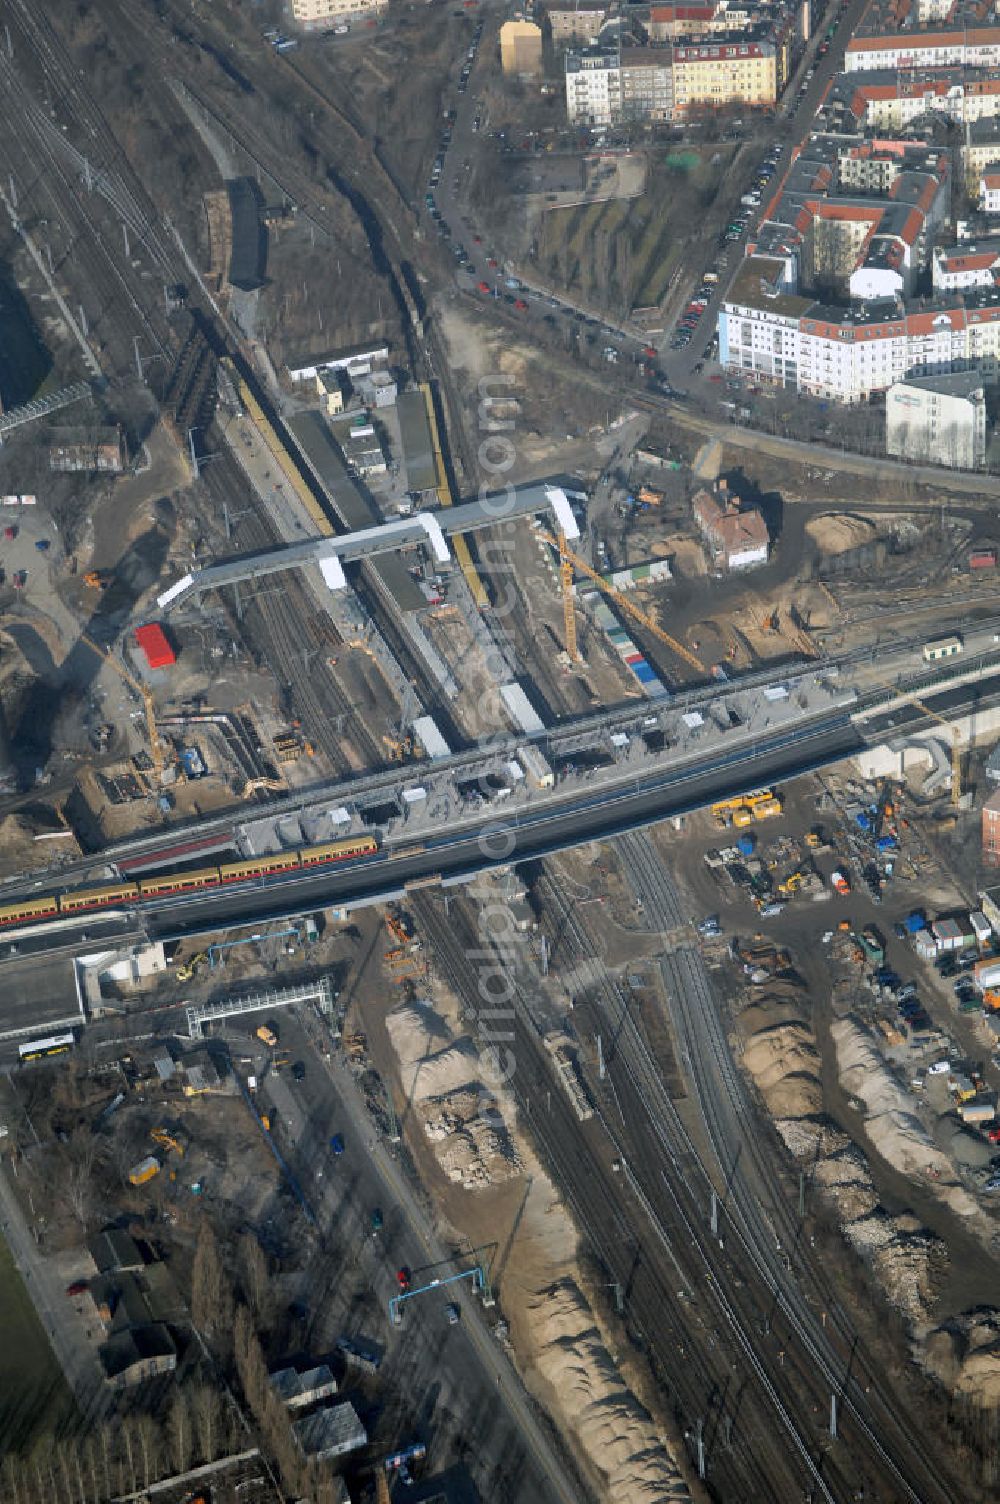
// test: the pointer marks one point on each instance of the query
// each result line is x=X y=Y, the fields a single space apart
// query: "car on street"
x=78 y=1287
x=377 y=1220
x=483 y=287
x=337 y=1143
x=403 y=1278
x=299 y=1071
x=452 y=1312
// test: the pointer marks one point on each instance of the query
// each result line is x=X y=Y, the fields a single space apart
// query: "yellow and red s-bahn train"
x=148 y=889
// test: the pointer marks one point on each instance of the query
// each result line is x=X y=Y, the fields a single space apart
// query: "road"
x=76 y=1354
x=477 y=1388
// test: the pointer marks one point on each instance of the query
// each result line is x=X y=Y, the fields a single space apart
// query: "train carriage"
x=179 y=882
x=98 y=898
x=338 y=851
x=259 y=866
x=29 y=910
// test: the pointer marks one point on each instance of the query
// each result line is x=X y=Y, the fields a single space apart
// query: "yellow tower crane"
x=569 y=561
x=569 y=615
x=156 y=749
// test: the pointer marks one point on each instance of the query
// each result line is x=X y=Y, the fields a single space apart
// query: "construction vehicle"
x=815 y=838
x=398 y=747
x=144 y=1171
x=167 y=1140
x=267 y=1036
x=650 y=498
x=792 y=883
x=185 y=972
x=281 y=1059
x=840 y=882
x=568 y=561
x=96 y=580
x=398 y=928
x=157 y=750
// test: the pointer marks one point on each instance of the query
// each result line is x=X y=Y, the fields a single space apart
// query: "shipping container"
x=145 y=1170
x=983 y=558
x=154 y=643
x=977 y=1111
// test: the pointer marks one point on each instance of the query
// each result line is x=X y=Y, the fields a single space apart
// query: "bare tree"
x=211 y=1297
x=256 y=1275
x=179 y=1432
x=205 y=1404
x=148 y=1437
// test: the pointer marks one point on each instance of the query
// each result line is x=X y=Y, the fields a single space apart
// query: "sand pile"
x=781 y=1055
x=441 y=1077
x=783 y=1061
x=891 y=1122
x=835 y=532
x=612 y=1429
x=965 y=1355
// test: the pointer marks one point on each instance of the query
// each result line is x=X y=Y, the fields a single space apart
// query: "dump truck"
x=840 y=882
x=144 y=1171
x=267 y=1036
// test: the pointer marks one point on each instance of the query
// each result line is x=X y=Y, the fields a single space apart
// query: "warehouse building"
x=938 y=420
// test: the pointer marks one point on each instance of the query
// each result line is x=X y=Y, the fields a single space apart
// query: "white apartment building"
x=847 y=354
x=593 y=87
x=313 y=15
x=971 y=47
x=938 y=420
x=989 y=191
x=957 y=267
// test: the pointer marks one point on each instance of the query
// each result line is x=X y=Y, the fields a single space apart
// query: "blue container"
x=914 y=922
x=745 y=845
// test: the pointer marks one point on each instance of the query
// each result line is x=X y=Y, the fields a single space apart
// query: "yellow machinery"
x=186 y=972
x=167 y=1140
x=569 y=615
x=621 y=601
x=792 y=884
x=156 y=748
x=96 y=580
x=398 y=747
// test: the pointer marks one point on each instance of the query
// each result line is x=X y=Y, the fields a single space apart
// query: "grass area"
x=627 y=250
x=34 y=1398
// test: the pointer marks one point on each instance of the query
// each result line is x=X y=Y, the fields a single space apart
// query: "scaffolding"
x=321 y=992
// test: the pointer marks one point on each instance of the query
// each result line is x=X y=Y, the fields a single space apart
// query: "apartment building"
x=647 y=83
x=958 y=46
x=520 y=48
x=671 y=23
x=718 y=72
x=888 y=100
x=938 y=420
x=989 y=191
x=980 y=151
x=315 y=15
x=593 y=87
x=580 y=23
x=847 y=353
x=957 y=267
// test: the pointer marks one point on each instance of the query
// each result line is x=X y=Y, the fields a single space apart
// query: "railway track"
x=764 y=1221
x=666 y=1311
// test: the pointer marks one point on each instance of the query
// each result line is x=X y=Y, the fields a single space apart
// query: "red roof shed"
x=154 y=643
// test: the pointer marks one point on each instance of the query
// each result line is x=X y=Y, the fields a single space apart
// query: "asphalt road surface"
x=456 y=1377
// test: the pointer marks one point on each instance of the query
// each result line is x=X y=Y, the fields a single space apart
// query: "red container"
x=983 y=558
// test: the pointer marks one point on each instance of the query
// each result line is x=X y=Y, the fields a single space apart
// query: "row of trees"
x=227 y=1406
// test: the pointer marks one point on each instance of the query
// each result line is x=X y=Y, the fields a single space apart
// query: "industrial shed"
x=248 y=252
